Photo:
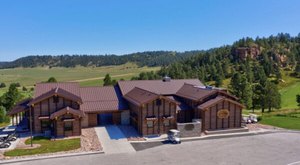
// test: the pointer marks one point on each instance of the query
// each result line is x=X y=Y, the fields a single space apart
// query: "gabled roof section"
x=71 y=87
x=139 y=96
x=198 y=93
x=66 y=110
x=157 y=86
x=56 y=92
x=195 y=93
x=216 y=100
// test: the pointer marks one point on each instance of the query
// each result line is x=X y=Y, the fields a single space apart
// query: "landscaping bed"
x=43 y=146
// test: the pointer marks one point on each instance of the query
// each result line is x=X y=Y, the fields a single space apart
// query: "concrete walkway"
x=113 y=140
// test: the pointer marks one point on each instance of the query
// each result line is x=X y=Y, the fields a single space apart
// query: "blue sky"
x=57 y=27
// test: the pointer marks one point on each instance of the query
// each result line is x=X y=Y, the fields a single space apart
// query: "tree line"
x=253 y=80
x=149 y=58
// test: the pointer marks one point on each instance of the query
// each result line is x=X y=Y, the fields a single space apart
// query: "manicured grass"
x=289 y=119
x=47 y=146
x=282 y=122
x=288 y=95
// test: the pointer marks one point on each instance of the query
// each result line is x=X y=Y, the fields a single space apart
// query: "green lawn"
x=47 y=146
x=288 y=96
x=289 y=119
x=282 y=122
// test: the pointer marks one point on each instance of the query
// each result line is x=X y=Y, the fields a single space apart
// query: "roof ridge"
x=145 y=90
x=157 y=80
x=97 y=87
x=66 y=82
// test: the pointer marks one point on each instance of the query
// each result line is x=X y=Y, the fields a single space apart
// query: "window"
x=68 y=126
x=45 y=124
x=158 y=102
x=150 y=123
x=55 y=99
x=166 y=123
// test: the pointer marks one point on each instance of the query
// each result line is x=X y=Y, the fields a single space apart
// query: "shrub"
x=24 y=89
x=259 y=118
x=3 y=117
x=2 y=85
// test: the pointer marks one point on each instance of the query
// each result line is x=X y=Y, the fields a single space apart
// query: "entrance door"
x=105 y=119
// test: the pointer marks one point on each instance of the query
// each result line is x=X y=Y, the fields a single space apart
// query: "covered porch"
x=20 y=115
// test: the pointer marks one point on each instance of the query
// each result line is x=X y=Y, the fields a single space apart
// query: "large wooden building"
x=151 y=106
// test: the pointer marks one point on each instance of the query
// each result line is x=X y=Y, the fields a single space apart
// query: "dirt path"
x=100 y=78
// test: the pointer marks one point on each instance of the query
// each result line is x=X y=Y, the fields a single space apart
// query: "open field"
x=86 y=76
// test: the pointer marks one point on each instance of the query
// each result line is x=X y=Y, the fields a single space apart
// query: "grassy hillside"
x=288 y=95
x=86 y=76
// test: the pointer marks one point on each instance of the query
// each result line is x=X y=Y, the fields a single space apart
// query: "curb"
x=207 y=137
x=50 y=157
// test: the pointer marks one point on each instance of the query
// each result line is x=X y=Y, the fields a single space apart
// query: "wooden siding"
x=59 y=129
x=46 y=108
x=139 y=115
x=92 y=119
x=212 y=122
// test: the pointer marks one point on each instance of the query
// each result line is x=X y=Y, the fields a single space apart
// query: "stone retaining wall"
x=192 y=129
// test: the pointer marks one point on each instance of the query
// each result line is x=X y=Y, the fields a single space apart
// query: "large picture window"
x=68 y=126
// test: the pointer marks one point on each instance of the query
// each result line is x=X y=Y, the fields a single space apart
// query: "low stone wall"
x=192 y=129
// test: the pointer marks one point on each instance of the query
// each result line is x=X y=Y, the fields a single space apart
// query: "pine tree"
x=235 y=84
x=11 y=97
x=298 y=100
x=107 y=80
x=246 y=92
x=51 y=80
x=272 y=96
x=257 y=96
x=3 y=116
x=218 y=81
x=297 y=70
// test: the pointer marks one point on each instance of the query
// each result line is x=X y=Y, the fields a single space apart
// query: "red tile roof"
x=157 y=86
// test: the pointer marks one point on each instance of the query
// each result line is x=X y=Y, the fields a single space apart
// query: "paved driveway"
x=113 y=140
x=273 y=149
